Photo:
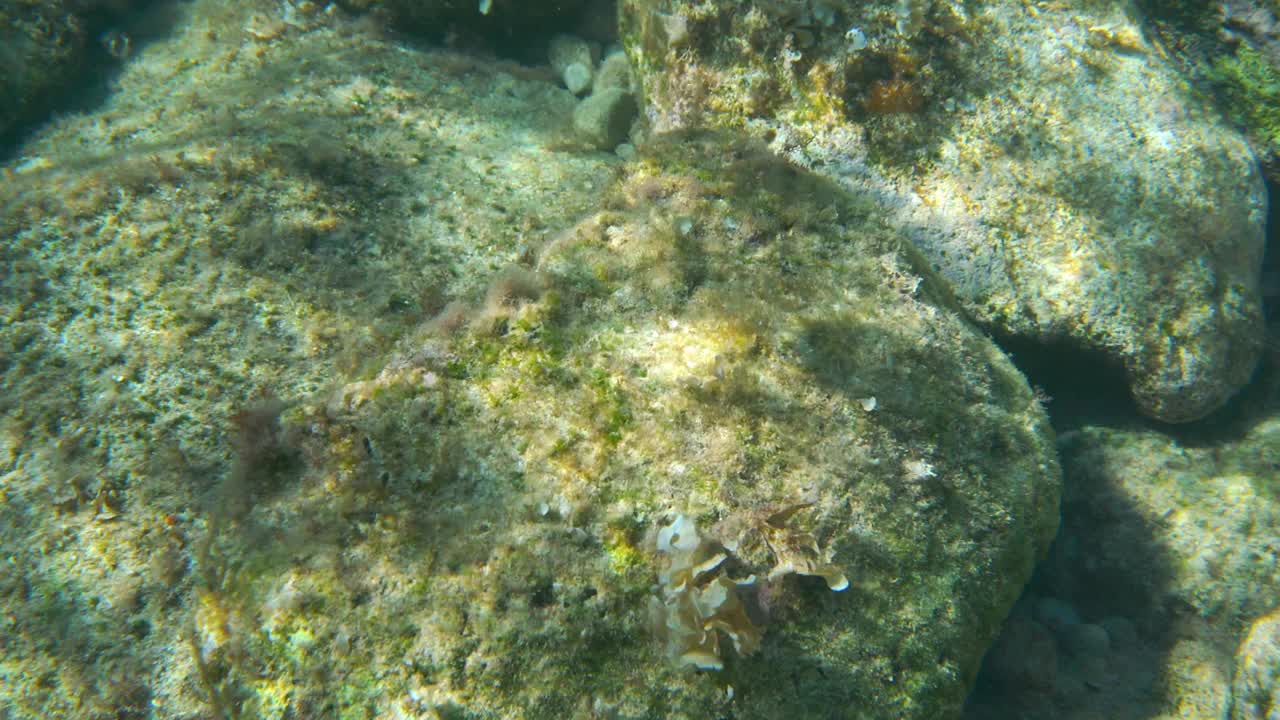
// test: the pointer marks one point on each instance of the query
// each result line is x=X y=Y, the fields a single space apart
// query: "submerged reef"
x=706 y=346
x=343 y=377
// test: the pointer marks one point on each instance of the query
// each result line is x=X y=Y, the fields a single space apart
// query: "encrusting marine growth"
x=697 y=600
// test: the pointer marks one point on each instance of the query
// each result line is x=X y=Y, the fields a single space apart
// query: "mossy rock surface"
x=495 y=366
x=1047 y=159
x=312 y=192
x=709 y=344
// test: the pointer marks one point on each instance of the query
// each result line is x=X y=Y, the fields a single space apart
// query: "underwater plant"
x=697 y=601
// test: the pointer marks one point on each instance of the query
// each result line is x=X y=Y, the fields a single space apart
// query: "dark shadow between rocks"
x=114 y=31
x=1101 y=580
x=1077 y=386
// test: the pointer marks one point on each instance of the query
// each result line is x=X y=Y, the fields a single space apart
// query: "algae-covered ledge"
x=728 y=340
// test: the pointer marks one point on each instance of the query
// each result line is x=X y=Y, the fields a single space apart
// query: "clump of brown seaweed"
x=697 y=601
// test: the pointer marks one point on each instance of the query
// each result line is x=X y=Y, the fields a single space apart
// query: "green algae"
x=463 y=521
x=1250 y=84
x=599 y=392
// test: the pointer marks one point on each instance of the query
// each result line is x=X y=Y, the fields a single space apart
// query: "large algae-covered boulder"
x=722 y=424
x=265 y=202
x=1046 y=159
x=331 y=389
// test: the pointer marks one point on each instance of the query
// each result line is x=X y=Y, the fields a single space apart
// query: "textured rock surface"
x=1256 y=689
x=1047 y=160
x=274 y=232
x=706 y=346
x=334 y=390
x=1180 y=538
x=1168 y=544
x=1206 y=514
x=603 y=119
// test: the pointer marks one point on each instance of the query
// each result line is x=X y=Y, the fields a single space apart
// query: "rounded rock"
x=1256 y=691
x=1056 y=614
x=566 y=50
x=604 y=119
x=615 y=72
x=1121 y=631
x=1025 y=657
x=577 y=77
x=1086 y=640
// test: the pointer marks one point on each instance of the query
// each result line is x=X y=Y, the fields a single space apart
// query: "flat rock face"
x=331 y=388
x=1048 y=162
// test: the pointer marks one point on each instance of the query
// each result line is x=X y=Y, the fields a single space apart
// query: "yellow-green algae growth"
x=266 y=200
x=705 y=344
x=450 y=511
x=1047 y=158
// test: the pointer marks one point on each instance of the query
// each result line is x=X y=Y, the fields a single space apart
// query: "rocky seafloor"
x=667 y=360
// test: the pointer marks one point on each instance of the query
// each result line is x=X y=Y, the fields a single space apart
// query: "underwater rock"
x=41 y=50
x=1256 y=689
x=241 y=227
x=577 y=78
x=700 y=349
x=503 y=370
x=1121 y=631
x=1086 y=641
x=1153 y=525
x=603 y=119
x=1050 y=163
x=1179 y=536
x=1056 y=615
x=615 y=71
x=47 y=49
x=573 y=60
x=1024 y=658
